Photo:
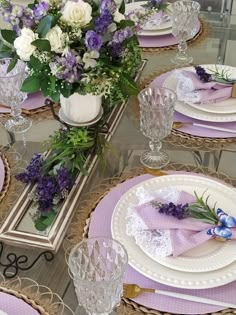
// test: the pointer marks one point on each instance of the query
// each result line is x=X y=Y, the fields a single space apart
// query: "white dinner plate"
x=147 y=30
x=223 y=111
x=225 y=264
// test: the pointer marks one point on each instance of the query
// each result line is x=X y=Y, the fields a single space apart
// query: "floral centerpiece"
x=83 y=47
x=72 y=47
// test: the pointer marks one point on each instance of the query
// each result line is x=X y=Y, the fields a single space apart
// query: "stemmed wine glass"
x=10 y=94
x=97 y=266
x=184 y=26
x=156 y=119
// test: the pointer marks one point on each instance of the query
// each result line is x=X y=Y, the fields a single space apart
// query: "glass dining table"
x=126 y=145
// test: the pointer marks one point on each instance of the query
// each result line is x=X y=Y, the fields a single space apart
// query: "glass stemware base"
x=179 y=60
x=154 y=159
x=19 y=124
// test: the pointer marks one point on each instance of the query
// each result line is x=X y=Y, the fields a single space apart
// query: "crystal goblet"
x=97 y=266
x=10 y=94
x=184 y=26
x=156 y=119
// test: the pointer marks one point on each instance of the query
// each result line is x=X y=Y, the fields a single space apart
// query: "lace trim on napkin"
x=156 y=243
x=186 y=92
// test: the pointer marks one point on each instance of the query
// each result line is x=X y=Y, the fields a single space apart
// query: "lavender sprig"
x=216 y=75
x=199 y=210
x=178 y=211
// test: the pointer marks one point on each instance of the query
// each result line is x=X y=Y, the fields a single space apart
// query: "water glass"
x=10 y=94
x=156 y=119
x=97 y=266
x=184 y=26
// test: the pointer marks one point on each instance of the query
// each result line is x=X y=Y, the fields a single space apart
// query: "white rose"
x=118 y=17
x=56 y=38
x=89 y=59
x=77 y=13
x=22 y=44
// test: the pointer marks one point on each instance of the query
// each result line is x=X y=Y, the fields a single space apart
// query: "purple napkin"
x=191 y=89
x=184 y=234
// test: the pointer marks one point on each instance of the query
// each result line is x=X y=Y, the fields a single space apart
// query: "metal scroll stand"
x=15 y=263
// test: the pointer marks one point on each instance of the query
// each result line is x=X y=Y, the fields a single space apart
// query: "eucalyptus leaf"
x=44 y=25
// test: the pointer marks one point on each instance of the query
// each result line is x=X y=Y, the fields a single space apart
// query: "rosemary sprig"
x=198 y=210
x=221 y=75
x=201 y=210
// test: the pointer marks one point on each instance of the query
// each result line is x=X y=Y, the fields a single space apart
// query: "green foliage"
x=5 y=51
x=122 y=7
x=42 y=44
x=44 y=25
x=9 y=36
x=128 y=85
x=126 y=23
x=70 y=148
x=202 y=211
x=42 y=222
x=31 y=84
x=12 y=63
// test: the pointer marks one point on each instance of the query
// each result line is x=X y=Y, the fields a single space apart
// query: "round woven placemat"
x=40 y=298
x=7 y=176
x=179 y=138
x=43 y=109
x=80 y=226
x=199 y=37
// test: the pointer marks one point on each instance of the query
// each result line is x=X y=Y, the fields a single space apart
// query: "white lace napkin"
x=156 y=243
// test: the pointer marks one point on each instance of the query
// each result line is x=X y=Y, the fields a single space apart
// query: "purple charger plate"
x=193 y=130
x=12 y=305
x=156 y=41
x=100 y=225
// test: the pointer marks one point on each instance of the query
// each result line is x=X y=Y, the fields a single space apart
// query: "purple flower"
x=115 y=50
x=63 y=178
x=17 y=16
x=202 y=74
x=93 y=41
x=102 y=22
x=156 y=3
x=40 y=9
x=121 y=35
x=178 y=211
x=66 y=68
x=108 y=5
x=46 y=190
x=32 y=173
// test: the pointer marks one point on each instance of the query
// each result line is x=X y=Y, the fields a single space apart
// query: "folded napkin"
x=3 y=313
x=156 y=20
x=191 y=89
x=183 y=234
